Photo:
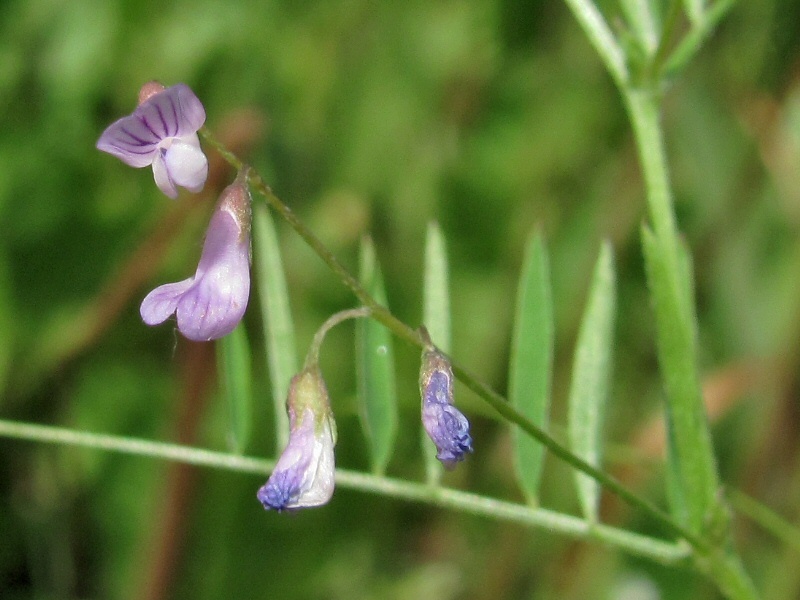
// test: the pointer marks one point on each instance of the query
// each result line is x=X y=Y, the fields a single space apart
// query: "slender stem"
x=312 y=358
x=403 y=331
x=698 y=479
x=644 y=110
x=646 y=546
x=767 y=518
x=600 y=36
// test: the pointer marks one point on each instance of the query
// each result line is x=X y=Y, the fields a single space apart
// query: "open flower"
x=443 y=422
x=162 y=132
x=211 y=304
x=304 y=474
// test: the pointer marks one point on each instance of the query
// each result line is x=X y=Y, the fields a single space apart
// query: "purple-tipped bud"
x=211 y=304
x=444 y=423
x=304 y=474
x=162 y=132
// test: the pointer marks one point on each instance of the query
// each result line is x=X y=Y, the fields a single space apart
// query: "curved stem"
x=312 y=358
x=646 y=546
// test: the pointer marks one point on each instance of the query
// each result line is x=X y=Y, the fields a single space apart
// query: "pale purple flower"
x=443 y=422
x=305 y=472
x=162 y=132
x=211 y=304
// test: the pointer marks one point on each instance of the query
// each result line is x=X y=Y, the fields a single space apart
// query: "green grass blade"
x=276 y=317
x=591 y=374
x=377 y=391
x=233 y=358
x=530 y=370
x=692 y=471
x=436 y=317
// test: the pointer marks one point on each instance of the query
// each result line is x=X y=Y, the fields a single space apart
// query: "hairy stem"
x=641 y=545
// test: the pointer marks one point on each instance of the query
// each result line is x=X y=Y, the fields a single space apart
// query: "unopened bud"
x=444 y=423
x=304 y=474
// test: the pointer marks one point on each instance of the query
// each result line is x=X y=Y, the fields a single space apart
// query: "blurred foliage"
x=492 y=117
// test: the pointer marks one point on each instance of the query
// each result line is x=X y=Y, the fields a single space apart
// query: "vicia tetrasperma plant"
x=643 y=54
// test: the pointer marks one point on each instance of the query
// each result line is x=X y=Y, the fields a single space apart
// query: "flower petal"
x=191 y=113
x=162 y=176
x=449 y=430
x=186 y=164
x=129 y=141
x=159 y=304
x=215 y=305
x=175 y=112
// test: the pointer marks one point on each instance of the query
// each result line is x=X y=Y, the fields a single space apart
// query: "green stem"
x=644 y=111
x=645 y=546
x=312 y=358
x=403 y=331
x=767 y=518
x=600 y=36
x=694 y=481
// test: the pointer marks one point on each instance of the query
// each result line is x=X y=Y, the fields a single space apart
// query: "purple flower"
x=444 y=423
x=211 y=304
x=162 y=132
x=304 y=474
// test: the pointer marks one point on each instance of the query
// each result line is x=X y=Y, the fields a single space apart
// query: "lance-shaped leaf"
x=377 y=392
x=531 y=365
x=591 y=373
x=233 y=357
x=436 y=317
x=276 y=317
x=692 y=469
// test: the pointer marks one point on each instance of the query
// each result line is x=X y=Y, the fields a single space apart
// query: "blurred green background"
x=492 y=117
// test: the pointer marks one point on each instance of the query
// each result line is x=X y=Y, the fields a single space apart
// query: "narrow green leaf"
x=233 y=357
x=530 y=371
x=377 y=392
x=436 y=317
x=692 y=483
x=591 y=374
x=436 y=296
x=276 y=318
x=698 y=34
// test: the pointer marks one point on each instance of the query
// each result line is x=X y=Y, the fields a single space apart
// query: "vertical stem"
x=696 y=501
x=644 y=111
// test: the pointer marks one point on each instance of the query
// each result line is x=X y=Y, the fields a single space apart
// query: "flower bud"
x=305 y=472
x=444 y=423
